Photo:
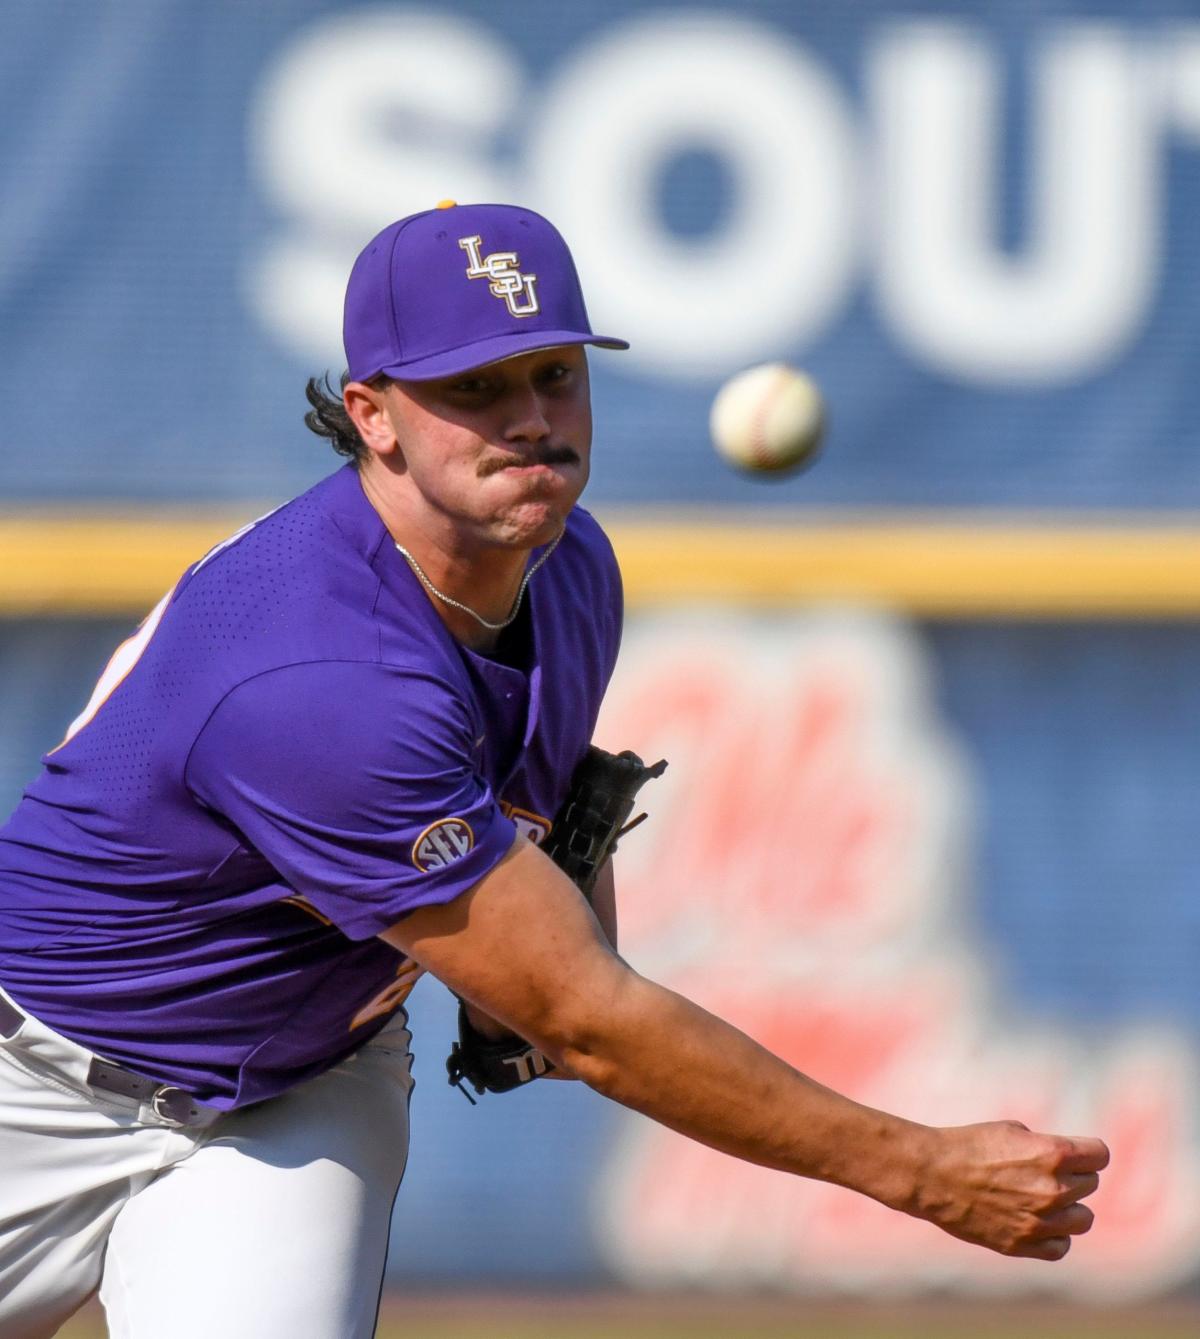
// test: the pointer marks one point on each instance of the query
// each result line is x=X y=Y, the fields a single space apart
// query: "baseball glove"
x=585 y=831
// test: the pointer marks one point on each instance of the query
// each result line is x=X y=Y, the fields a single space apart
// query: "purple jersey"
x=298 y=754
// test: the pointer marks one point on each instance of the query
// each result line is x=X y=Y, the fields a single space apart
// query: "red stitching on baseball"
x=758 y=423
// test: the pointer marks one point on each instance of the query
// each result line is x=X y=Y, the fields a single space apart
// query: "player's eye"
x=554 y=374
x=472 y=388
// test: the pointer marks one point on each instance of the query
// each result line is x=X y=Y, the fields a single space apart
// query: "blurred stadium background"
x=931 y=827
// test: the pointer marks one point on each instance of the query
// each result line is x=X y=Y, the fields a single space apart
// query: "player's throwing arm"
x=558 y=983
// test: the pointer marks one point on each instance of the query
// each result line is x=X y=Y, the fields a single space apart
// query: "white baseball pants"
x=268 y=1223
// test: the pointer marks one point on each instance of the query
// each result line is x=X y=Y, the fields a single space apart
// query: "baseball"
x=768 y=419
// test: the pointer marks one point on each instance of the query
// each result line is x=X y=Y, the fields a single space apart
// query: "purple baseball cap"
x=453 y=288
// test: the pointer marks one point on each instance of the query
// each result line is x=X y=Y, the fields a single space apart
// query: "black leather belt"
x=172 y=1105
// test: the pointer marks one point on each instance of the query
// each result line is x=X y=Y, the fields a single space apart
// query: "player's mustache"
x=540 y=455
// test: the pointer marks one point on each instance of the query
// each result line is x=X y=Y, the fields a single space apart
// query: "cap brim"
x=493 y=350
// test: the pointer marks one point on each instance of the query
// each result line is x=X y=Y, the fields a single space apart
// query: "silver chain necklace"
x=466 y=609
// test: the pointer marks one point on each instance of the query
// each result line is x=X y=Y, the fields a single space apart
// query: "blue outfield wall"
x=973 y=221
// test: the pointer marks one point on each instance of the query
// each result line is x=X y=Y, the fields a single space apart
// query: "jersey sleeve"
x=355 y=782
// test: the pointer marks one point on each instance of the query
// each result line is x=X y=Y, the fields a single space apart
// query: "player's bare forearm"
x=634 y=1041
x=604 y=902
x=604 y=905
x=995 y=1184
x=658 y=1053
x=526 y=949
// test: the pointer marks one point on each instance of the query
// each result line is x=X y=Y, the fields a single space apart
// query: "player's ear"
x=367 y=407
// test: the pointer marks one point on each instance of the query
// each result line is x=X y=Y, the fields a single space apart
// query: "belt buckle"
x=171 y=1105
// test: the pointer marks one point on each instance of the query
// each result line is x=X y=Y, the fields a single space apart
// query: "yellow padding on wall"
x=959 y=566
x=937 y=566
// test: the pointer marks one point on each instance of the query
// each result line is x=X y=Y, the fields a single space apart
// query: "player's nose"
x=529 y=419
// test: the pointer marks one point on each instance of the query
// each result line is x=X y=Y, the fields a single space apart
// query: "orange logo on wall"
x=806 y=875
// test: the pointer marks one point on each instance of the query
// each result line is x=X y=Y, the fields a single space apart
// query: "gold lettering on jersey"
x=533 y=827
x=442 y=843
x=392 y=996
x=305 y=905
x=502 y=270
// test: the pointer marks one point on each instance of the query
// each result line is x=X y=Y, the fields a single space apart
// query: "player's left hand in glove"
x=492 y=1066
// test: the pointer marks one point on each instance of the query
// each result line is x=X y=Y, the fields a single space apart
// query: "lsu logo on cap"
x=442 y=843
x=502 y=269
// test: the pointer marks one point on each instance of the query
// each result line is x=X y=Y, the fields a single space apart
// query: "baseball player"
x=324 y=764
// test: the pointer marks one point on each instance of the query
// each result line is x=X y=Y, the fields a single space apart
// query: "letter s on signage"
x=361 y=118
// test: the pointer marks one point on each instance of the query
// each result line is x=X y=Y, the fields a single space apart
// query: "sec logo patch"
x=442 y=843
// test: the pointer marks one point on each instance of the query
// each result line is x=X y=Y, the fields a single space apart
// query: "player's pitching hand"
x=1002 y=1186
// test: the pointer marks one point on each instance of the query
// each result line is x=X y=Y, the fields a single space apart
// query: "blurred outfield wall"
x=931 y=827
